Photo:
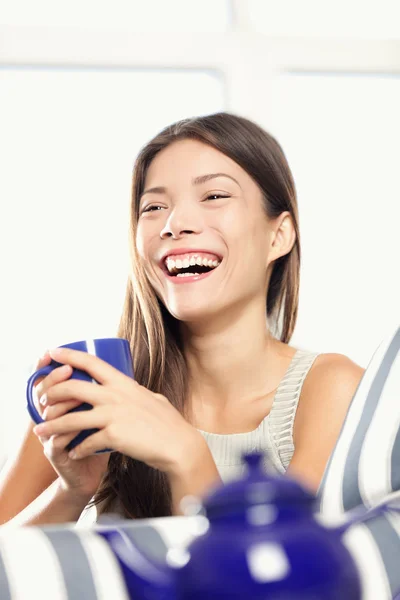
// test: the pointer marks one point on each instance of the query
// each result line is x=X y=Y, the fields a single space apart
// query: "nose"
x=182 y=221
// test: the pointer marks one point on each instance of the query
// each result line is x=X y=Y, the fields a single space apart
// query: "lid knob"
x=254 y=461
x=259 y=486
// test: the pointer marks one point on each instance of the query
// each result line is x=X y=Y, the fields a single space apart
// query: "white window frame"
x=246 y=60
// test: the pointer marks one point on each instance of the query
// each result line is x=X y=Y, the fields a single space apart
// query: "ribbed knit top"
x=275 y=432
x=274 y=435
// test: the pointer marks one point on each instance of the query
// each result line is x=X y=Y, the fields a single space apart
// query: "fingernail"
x=43 y=399
x=56 y=352
x=39 y=429
x=72 y=455
x=44 y=415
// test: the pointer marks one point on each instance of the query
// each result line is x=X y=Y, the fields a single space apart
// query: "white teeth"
x=187 y=274
x=173 y=264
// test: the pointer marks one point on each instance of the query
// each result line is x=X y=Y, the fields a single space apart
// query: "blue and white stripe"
x=364 y=470
x=365 y=464
x=58 y=564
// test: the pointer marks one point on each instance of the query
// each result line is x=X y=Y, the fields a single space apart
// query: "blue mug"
x=115 y=351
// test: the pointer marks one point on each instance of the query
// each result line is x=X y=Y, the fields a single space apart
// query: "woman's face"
x=203 y=234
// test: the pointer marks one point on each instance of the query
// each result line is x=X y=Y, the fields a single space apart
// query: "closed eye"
x=155 y=207
x=216 y=197
x=152 y=208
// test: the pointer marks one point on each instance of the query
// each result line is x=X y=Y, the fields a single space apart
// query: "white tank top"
x=275 y=432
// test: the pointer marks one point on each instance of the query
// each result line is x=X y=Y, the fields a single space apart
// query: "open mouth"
x=190 y=265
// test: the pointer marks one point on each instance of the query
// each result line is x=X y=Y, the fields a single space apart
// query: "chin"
x=190 y=313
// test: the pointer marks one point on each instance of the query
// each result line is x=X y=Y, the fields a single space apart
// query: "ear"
x=283 y=236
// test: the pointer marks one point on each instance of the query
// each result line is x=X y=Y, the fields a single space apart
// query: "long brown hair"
x=158 y=358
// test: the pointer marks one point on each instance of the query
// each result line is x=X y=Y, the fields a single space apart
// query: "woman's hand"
x=42 y=384
x=83 y=478
x=130 y=418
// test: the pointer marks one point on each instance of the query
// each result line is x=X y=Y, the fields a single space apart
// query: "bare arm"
x=325 y=398
x=54 y=505
x=195 y=472
x=24 y=477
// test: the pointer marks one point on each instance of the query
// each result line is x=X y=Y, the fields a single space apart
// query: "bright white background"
x=84 y=84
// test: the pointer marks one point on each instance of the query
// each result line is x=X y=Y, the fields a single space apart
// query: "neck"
x=232 y=358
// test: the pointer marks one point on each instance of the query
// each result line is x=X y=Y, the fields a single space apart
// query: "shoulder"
x=335 y=373
x=327 y=391
x=324 y=401
x=328 y=388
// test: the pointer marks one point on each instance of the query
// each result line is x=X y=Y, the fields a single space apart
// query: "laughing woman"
x=215 y=268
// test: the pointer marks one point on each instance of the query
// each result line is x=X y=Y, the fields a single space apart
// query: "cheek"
x=242 y=231
x=140 y=240
x=147 y=243
x=247 y=237
x=146 y=248
x=232 y=224
x=147 y=238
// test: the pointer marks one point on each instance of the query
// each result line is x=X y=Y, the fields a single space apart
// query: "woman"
x=215 y=266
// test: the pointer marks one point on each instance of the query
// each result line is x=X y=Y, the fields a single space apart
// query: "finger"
x=67 y=438
x=100 y=370
x=43 y=361
x=93 y=443
x=55 y=446
x=76 y=389
x=53 y=412
x=43 y=440
x=56 y=376
x=76 y=421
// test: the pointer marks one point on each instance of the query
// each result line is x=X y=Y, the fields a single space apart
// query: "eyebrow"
x=196 y=181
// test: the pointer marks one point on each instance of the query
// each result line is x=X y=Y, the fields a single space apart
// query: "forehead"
x=185 y=159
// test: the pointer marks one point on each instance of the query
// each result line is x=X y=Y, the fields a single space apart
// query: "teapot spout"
x=146 y=577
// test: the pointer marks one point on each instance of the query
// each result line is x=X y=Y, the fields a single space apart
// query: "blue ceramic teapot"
x=261 y=540
x=264 y=542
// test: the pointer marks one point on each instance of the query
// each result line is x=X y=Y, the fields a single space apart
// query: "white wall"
x=76 y=104
x=69 y=139
x=341 y=135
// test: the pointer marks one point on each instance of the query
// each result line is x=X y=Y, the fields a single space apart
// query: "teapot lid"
x=257 y=487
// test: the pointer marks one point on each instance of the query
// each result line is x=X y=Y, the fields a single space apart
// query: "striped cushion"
x=71 y=563
x=364 y=470
x=62 y=563
x=375 y=547
x=58 y=563
x=365 y=465
x=65 y=562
